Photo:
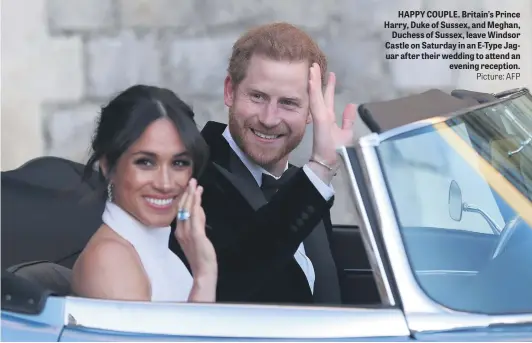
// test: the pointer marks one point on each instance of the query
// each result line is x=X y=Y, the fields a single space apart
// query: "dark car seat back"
x=47 y=212
x=45 y=274
x=50 y=172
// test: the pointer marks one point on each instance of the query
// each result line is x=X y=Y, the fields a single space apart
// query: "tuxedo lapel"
x=251 y=192
x=241 y=177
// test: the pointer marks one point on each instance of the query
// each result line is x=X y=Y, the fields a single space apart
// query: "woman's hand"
x=198 y=249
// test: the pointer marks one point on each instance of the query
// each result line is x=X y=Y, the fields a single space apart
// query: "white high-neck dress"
x=169 y=278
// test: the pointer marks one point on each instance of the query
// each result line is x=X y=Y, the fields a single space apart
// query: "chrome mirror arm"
x=472 y=208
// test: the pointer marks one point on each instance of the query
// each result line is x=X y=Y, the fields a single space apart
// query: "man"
x=272 y=240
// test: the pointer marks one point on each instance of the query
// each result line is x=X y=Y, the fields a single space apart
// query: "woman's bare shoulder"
x=110 y=268
x=106 y=243
x=107 y=249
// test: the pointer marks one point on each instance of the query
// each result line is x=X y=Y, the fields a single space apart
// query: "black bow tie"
x=270 y=185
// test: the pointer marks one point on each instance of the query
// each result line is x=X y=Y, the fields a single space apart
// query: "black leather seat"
x=48 y=214
x=47 y=275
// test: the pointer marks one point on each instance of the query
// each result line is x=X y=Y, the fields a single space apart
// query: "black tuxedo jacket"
x=255 y=240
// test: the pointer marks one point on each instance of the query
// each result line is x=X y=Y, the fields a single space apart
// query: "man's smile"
x=265 y=135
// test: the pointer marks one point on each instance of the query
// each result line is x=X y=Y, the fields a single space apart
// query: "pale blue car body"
x=49 y=326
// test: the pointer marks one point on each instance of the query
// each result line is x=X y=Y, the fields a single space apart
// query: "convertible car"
x=442 y=251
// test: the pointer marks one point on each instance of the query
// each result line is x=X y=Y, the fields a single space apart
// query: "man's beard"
x=264 y=157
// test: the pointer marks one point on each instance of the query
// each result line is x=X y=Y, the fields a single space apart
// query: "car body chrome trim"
x=422 y=313
x=420 y=272
x=446 y=272
x=358 y=270
x=374 y=256
x=232 y=321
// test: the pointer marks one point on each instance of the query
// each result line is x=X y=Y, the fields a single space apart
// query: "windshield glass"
x=462 y=194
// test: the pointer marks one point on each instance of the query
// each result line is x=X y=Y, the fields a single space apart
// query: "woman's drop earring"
x=110 y=192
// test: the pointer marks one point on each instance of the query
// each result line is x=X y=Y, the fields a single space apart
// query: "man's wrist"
x=325 y=189
x=322 y=170
x=332 y=168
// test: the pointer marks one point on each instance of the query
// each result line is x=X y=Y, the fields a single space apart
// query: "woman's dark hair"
x=128 y=115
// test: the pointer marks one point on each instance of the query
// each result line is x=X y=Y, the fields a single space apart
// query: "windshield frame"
x=422 y=312
x=392 y=133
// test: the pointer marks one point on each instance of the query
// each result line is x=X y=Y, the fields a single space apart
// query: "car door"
x=90 y=320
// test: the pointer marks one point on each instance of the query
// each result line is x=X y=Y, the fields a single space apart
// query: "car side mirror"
x=455 y=201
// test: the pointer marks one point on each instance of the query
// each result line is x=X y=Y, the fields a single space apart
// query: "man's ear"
x=309 y=118
x=229 y=91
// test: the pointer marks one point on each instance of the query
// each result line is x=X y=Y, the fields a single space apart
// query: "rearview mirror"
x=455 y=201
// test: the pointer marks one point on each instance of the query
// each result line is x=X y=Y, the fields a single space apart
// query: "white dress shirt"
x=325 y=190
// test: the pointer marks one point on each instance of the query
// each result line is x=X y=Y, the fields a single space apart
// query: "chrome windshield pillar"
x=352 y=157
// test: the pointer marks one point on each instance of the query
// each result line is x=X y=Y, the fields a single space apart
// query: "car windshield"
x=461 y=189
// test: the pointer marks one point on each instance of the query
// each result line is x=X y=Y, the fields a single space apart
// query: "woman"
x=150 y=152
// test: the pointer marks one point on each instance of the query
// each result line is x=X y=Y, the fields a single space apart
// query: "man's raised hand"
x=328 y=136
